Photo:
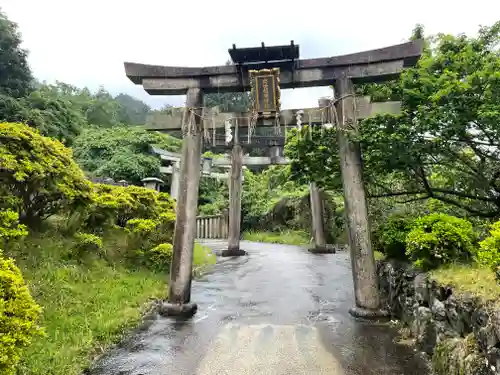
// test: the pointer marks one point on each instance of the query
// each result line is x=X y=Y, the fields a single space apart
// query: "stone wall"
x=460 y=335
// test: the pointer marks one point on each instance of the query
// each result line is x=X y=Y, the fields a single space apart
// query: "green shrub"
x=110 y=205
x=10 y=229
x=117 y=205
x=488 y=254
x=18 y=316
x=143 y=234
x=159 y=258
x=390 y=238
x=87 y=244
x=39 y=176
x=145 y=202
x=439 y=239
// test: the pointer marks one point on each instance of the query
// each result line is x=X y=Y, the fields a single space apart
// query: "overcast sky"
x=86 y=42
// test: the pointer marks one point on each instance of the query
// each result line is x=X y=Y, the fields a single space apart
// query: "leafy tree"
x=314 y=157
x=103 y=109
x=15 y=74
x=53 y=115
x=444 y=143
x=121 y=152
x=98 y=108
x=38 y=177
x=132 y=110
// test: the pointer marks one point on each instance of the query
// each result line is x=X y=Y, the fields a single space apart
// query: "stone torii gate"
x=283 y=69
x=174 y=169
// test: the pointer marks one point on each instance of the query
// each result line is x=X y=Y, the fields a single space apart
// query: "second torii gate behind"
x=316 y=116
x=174 y=169
x=315 y=198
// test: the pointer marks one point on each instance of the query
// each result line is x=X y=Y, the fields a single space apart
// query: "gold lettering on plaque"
x=265 y=88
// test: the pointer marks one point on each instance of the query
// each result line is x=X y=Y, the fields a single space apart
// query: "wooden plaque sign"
x=265 y=90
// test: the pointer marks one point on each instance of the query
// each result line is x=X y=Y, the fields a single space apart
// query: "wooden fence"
x=214 y=226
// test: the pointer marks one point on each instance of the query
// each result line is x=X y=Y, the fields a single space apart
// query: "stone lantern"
x=206 y=166
x=152 y=183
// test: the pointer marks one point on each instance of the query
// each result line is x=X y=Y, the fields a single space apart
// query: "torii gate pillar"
x=179 y=296
x=174 y=185
x=362 y=258
x=235 y=188
x=318 y=227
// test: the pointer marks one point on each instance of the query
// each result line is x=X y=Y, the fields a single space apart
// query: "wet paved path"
x=279 y=310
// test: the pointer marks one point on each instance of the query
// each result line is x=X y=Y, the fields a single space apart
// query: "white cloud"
x=86 y=43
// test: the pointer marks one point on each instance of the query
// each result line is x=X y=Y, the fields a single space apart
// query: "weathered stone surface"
x=322 y=250
x=486 y=338
x=438 y=310
x=185 y=310
x=233 y=252
x=424 y=330
x=368 y=66
x=422 y=295
x=369 y=314
x=459 y=334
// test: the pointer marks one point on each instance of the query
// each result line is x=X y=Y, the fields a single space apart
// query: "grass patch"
x=86 y=307
x=479 y=281
x=203 y=256
x=298 y=238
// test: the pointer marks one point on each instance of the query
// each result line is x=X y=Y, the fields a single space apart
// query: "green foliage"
x=202 y=257
x=122 y=153
x=488 y=254
x=229 y=101
x=158 y=258
x=262 y=191
x=132 y=111
x=141 y=235
x=439 y=239
x=147 y=215
x=213 y=196
x=10 y=229
x=111 y=205
x=141 y=227
x=38 y=175
x=86 y=306
x=288 y=237
x=54 y=116
x=145 y=234
x=444 y=143
x=314 y=156
x=87 y=244
x=390 y=238
x=61 y=111
x=18 y=316
x=99 y=108
x=15 y=74
x=103 y=109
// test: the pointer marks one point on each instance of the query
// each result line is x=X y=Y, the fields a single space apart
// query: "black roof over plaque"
x=263 y=54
